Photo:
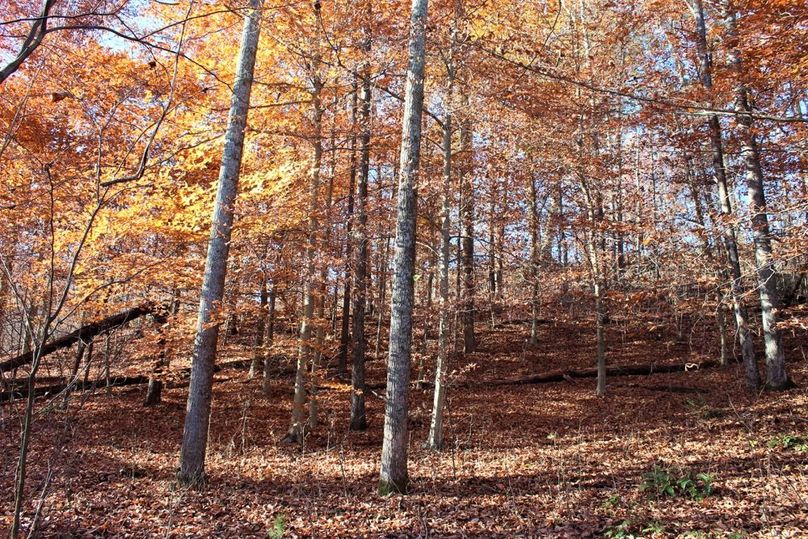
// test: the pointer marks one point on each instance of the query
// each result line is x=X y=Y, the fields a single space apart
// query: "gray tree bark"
x=728 y=232
x=195 y=433
x=776 y=375
x=394 y=476
x=435 y=439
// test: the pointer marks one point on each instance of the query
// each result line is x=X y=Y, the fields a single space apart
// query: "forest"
x=377 y=268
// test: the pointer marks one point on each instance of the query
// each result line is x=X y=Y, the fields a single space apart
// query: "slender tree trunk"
x=467 y=240
x=321 y=320
x=74 y=372
x=394 y=476
x=231 y=325
x=728 y=231
x=430 y=283
x=260 y=327
x=721 y=322
x=89 y=355
x=600 y=313
x=707 y=252
x=492 y=255
x=595 y=248
x=25 y=434
x=154 y=391
x=563 y=249
x=345 y=329
x=382 y=296
x=500 y=239
x=306 y=353
x=358 y=418
x=7 y=263
x=435 y=439
x=195 y=434
x=77 y=360
x=325 y=226
x=323 y=294
x=776 y=374
x=533 y=273
x=269 y=339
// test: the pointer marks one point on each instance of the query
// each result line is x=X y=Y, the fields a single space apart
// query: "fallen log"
x=179 y=379
x=542 y=378
x=570 y=375
x=616 y=370
x=55 y=389
x=84 y=333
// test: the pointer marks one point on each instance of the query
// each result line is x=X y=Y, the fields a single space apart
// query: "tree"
x=436 y=436
x=345 y=327
x=394 y=477
x=720 y=176
x=776 y=374
x=197 y=418
x=358 y=418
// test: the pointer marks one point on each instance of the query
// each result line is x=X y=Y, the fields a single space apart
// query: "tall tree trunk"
x=345 y=329
x=776 y=374
x=492 y=255
x=707 y=252
x=435 y=439
x=321 y=294
x=195 y=434
x=728 y=231
x=533 y=272
x=563 y=249
x=306 y=352
x=393 y=475
x=467 y=240
x=595 y=246
x=358 y=418
x=321 y=297
x=500 y=273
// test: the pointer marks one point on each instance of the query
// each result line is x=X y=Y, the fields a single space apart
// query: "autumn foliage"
x=606 y=190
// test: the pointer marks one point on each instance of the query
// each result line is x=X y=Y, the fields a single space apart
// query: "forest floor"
x=533 y=460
